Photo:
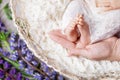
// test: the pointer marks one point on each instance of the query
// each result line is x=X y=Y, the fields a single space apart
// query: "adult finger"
x=104 y=4
x=105 y=9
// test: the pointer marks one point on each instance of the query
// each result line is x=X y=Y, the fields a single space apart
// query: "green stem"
x=6 y=45
x=0 y=1
x=16 y=65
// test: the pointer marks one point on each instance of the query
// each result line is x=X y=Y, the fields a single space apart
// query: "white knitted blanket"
x=34 y=19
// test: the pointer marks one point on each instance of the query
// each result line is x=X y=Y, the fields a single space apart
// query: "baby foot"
x=71 y=30
x=84 y=33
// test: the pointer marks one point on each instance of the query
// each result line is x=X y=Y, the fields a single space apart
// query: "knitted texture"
x=34 y=19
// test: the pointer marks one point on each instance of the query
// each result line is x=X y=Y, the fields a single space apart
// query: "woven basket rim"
x=25 y=36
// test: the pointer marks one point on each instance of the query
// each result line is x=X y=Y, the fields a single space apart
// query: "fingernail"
x=78 y=26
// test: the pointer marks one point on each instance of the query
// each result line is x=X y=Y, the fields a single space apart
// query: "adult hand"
x=107 y=5
x=108 y=49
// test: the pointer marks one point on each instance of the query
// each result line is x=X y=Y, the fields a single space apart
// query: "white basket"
x=34 y=18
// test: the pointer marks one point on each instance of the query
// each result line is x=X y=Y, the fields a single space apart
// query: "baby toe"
x=81 y=23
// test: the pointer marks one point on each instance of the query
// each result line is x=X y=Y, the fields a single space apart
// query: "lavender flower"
x=13 y=57
x=23 y=50
x=1 y=50
x=6 y=65
x=2 y=73
x=25 y=60
x=35 y=63
x=38 y=76
x=60 y=77
x=8 y=78
x=13 y=71
x=1 y=24
x=13 y=35
x=22 y=64
x=46 y=78
x=53 y=77
x=29 y=71
x=6 y=54
x=12 y=48
x=1 y=61
x=2 y=27
x=29 y=56
x=19 y=76
x=21 y=44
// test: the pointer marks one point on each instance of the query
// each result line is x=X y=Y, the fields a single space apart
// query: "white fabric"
x=101 y=25
x=34 y=19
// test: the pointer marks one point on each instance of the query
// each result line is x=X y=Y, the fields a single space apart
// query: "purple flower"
x=23 y=50
x=6 y=65
x=38 y=76
x=28 y=71
x=35 y=63
x=16 y=53
x=6 y=54
x=11 y=43
x=60 y=77
x=12 y=71
x=53 y=77
x=2 y=28
x=8 y=78
x=45 y=68
x=1 y=24
x=13 y=57
x=1 y=50
x=26 y=79
x=16 y=43
x=12 y=40
x=46 y=78
x=19 y=76
x=29 y=57
x=12 y=48
x=22 y=43
x=43 y=65
x=52 y=73
x=1 y=61
x=13 y=35
x=21 y=64
x=29 y=67
x=2 y=73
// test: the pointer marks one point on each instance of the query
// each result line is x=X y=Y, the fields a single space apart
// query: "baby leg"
x=68 y=20
x=84 y=33
x=61 y=39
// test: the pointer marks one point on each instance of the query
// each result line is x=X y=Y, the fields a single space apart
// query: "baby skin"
x=98 y=51
x=76 y=32
x=77 y=36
